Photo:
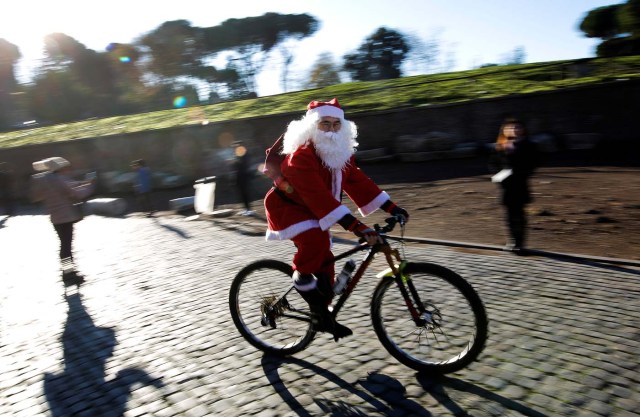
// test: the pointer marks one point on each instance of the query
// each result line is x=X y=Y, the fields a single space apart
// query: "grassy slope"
x=356 y=96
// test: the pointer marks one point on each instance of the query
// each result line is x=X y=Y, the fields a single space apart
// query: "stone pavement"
x=149 y=333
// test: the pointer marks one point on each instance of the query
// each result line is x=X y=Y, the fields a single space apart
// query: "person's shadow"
x=81 y=389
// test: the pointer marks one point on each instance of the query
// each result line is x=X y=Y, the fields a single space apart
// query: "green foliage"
x=617 y=25
x=601 y=22
x=379 y=57
x=250 y=40
x=324 y=72
x=357 y=97
x=176 y=49
x=629 y=17
x=9 y=55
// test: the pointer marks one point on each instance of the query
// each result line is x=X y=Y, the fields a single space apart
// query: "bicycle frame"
x=390 y=255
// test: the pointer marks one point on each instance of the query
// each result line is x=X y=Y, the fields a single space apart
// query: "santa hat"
x=325 y=108
x=52 y=164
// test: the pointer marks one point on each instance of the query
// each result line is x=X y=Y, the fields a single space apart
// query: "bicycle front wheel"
x=451 y=330
x=268 y=312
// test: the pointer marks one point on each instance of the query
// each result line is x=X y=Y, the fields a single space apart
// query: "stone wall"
x=605 y=112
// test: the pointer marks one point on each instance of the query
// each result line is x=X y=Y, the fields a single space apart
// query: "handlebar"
x=391 y=223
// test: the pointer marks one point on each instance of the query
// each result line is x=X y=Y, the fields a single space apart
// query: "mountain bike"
x=425 y=315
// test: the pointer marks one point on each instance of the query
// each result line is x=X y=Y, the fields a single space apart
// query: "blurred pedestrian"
x=60 y=195
x=143 y=186
x=6 y=184
x=514 y=160
x=241 y=166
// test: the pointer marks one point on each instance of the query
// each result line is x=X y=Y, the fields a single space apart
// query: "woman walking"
x=59 y=194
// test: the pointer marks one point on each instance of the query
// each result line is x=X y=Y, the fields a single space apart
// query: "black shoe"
x=323 y=321
x=72 y=278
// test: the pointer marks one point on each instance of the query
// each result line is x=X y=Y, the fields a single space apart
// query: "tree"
x=517 y=56
x=379 y=57
x=250 y=40
x=175 y=49
x=601 y=22
x=324 y=72
x=617 y=25
x=9 y=55
x=55 y=96
x=91 y=84
x=423 y=56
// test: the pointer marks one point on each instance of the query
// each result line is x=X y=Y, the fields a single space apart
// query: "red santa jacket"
x=315 y=198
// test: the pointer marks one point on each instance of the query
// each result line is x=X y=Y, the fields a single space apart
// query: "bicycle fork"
x=419 y=313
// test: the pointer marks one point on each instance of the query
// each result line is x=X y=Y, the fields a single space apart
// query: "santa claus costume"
x=319 y=166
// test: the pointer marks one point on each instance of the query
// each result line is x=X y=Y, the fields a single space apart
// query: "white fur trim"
x=374 y=204
x=291 y=231
x=306 y=287
x=336 y=186
x=327 y=111
x=330 y=219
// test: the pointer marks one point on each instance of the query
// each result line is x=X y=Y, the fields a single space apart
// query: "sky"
x=470 y=32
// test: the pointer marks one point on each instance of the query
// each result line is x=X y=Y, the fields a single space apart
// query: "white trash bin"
x=205 y=195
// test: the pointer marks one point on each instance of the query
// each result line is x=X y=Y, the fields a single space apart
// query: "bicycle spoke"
x=263 y=308
x=452 y=328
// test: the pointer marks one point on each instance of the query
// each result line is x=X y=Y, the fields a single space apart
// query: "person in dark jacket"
x=515 y=158
x=143 y=186
x=6 y=198
x=241 y=166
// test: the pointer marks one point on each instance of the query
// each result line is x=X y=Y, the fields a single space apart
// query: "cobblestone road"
x=149 y=333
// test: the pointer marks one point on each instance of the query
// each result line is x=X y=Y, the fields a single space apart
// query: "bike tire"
x=287 y=329
x=449 y=347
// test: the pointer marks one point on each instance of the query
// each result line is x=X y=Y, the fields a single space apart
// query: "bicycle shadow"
x=436 y=386
x=392 y=391
x=82 y=387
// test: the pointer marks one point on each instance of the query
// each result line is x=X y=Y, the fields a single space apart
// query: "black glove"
x=368 y=234
x=398 y=212
x=350 y=223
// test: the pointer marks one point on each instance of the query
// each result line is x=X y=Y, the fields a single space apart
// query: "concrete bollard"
x=105 y=206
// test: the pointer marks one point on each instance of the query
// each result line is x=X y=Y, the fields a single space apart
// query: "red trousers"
x=314 y=249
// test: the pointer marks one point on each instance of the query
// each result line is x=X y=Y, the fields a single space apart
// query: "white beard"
x=335 y=150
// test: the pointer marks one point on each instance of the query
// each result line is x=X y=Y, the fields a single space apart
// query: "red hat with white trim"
x=329 y=108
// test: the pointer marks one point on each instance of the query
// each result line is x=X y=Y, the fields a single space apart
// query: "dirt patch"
x=581 y=209
x=589 y=211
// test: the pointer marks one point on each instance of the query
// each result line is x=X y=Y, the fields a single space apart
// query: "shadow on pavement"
x=611 y=264
x=81 y=389
x=436 y=386
x=253 y=226
x=392 y=391
x=175 y=230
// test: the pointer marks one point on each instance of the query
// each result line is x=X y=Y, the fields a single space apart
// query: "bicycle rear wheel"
x=452 y=330
x=267 y=311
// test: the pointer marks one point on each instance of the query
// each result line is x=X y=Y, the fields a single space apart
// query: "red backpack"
x=272 y=165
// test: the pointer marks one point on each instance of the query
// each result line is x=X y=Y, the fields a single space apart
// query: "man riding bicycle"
x=320 y=165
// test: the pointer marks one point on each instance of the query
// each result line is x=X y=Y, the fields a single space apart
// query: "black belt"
x=284 y=196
